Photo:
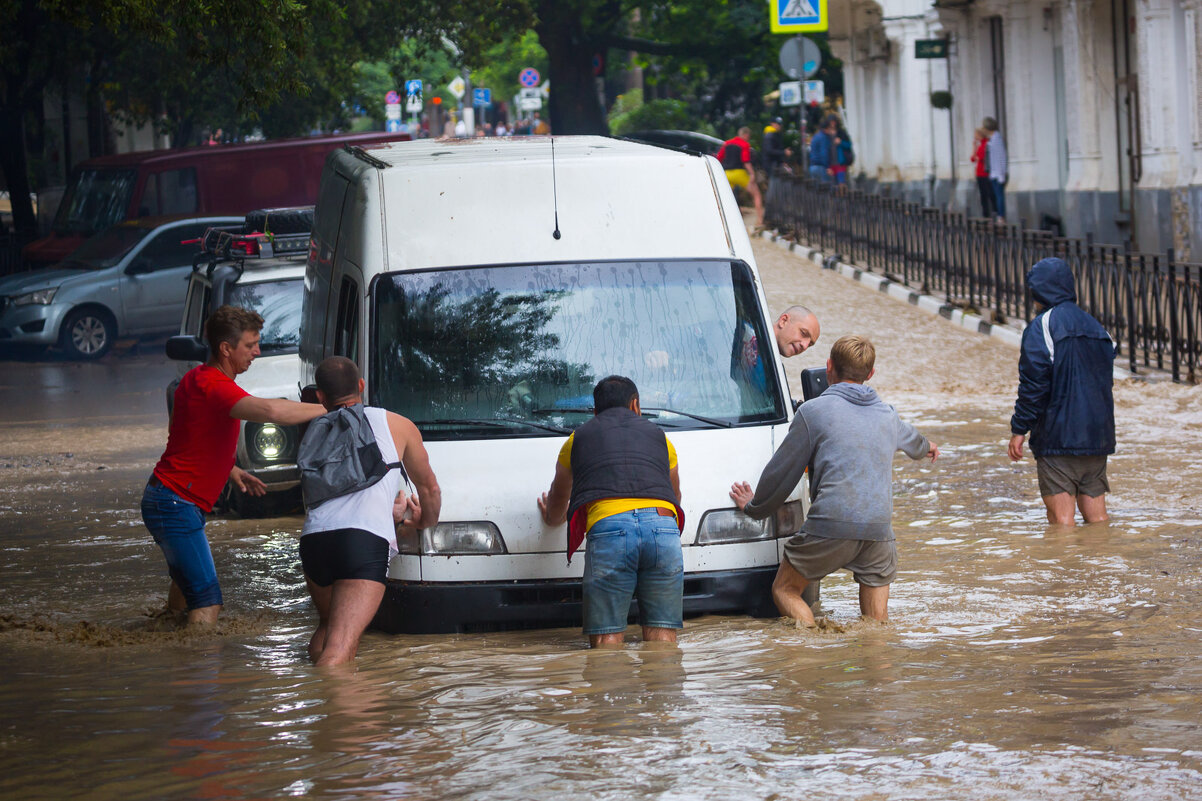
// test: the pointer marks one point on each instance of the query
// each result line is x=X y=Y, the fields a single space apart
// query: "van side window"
x=169 y=192
x=346 y=337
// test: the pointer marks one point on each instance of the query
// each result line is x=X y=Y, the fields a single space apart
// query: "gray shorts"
x=1076 y=475
x=873 y=563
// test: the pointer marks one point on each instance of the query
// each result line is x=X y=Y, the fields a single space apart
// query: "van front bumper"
x=414 y=607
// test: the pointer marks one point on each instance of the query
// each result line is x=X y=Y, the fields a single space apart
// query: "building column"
x=1166 y=152
x=1191 y=249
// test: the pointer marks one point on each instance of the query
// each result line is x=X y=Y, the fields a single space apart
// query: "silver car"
x=130 y=280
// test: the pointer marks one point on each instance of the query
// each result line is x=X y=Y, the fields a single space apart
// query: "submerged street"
x=1020 y=660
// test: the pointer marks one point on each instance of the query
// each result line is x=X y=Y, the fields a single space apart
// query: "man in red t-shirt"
x=199 y=459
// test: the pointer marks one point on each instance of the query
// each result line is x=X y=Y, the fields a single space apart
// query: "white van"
x=483 y=287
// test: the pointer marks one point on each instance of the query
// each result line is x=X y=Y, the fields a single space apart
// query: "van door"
x=154 y=283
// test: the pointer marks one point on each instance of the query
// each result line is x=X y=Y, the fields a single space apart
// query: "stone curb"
x=1009 y=334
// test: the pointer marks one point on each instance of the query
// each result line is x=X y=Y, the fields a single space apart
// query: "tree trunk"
x=575 y=107
x=16 y=171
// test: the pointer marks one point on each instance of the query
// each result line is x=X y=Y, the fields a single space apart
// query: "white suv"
x=266 y=276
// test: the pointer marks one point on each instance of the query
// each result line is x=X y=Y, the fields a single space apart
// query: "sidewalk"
x=1010 y=333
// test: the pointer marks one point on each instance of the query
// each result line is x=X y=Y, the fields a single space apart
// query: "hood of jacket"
x=1051 y=282
x=858 y=394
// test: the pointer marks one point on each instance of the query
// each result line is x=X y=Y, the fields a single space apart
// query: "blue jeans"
x=633 y=555
x=999 y=196
x=178 y=527
x=818 y=173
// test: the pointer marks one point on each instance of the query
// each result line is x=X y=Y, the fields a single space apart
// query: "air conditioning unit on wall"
x=878 y=44
x=871 y=44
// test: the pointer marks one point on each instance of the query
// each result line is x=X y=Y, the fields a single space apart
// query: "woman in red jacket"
x=984 y=186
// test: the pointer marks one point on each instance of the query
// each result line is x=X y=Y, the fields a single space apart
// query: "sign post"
x=413 y=97
x=392 y=112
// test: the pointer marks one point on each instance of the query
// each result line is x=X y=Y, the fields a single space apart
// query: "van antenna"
x=554 y=190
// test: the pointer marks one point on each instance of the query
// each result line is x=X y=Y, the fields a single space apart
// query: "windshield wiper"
x=496 y=423
x=710 y=420
x=584 y=410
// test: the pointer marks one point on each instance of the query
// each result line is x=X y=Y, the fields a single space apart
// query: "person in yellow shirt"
x=616 y=478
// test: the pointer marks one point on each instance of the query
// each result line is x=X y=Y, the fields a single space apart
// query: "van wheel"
x=87 y=334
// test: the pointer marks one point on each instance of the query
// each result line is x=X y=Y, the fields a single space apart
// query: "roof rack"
x=223 y=243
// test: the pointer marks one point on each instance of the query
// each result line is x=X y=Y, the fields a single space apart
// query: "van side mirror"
x=309 y=394
x=186 y=348
x=813 y=382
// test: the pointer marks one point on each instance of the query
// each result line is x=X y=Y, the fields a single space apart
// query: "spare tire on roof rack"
x=292 y=220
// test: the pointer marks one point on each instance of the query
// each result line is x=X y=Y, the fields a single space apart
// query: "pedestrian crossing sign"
x=795 y=16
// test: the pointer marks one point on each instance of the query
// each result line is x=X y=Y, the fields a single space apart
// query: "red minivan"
x=207 y=180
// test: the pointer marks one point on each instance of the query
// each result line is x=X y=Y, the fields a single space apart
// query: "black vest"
x=618 y=454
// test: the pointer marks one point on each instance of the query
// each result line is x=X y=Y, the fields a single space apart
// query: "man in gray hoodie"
x=846 y=437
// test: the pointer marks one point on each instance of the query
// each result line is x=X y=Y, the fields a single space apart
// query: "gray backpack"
x=338 y=455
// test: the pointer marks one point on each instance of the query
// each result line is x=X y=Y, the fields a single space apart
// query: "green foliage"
x=658 y=114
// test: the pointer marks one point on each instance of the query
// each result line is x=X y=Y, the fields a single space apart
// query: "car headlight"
x=270 y=443
x=41 y=297
x=730 y=525
x=452 y=539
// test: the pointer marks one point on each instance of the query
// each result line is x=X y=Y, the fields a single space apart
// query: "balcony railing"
x=1151 y=303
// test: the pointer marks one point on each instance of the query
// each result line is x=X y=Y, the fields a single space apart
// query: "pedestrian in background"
x=735 y=158
x=999 y=167
x=616 y=478
x=822 y=150
x=1065 y=381
x=980 y=156
x=776 y=155
x=844 y=155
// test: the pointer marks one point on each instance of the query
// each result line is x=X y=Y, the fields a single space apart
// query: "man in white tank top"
x=345 y=541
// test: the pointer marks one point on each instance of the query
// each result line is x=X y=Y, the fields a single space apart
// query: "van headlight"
x=721 y=526
x=41 y=297
x=268 y=443
x=452 y=539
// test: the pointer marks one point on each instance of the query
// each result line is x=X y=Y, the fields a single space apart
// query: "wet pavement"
x=1020 y=659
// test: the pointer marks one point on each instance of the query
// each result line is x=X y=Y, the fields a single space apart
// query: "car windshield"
x=106 y=248
x=94 y=200
x=279 y=303
x=516 y=350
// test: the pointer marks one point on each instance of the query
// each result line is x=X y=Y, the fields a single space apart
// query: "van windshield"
x=94 y=200
x=279 y=303
x=516 y=350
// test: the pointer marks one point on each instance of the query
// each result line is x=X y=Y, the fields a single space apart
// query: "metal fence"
x=1151 y=303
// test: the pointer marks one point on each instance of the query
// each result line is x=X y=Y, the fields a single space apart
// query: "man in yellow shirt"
x=616 y=478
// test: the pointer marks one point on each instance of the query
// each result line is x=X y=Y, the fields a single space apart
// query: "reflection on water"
x=1021 y=661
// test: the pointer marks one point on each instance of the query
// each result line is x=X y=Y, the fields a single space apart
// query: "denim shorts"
x=178 y=527
x=633 y=554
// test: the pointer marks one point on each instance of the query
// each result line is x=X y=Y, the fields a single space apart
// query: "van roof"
x=498 y=201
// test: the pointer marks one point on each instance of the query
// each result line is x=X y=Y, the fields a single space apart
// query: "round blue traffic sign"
x=528 y=77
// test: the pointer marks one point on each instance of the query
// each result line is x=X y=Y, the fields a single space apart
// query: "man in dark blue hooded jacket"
x=1065 y=375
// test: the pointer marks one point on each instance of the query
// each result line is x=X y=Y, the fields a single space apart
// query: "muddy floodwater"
x=1020 y=662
